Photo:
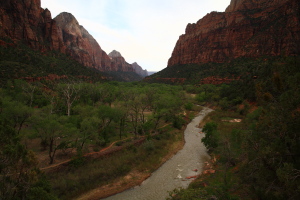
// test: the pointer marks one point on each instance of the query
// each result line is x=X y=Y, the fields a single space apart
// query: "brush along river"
x=176 y=172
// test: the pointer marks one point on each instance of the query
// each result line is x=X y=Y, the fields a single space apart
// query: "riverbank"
x=132 y=179
x=177 y=172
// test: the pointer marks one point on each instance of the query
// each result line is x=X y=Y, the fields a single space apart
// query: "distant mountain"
x=151 y=72
x=118 y=63
x=247 y=29
x=139 y=70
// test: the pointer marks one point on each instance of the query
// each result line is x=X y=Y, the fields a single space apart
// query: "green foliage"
x=191 y=194
x=189 y=106
x=41 y=188
x=262 y=150
x=178 y=122
x=17 y=165
x=211 y=138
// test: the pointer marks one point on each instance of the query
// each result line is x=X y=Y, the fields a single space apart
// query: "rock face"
x=248 y=28
x=80 y=44
x=118 y=63
x=139 y=70
x=25 y=20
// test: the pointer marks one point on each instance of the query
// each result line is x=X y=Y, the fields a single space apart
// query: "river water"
x=172 y=174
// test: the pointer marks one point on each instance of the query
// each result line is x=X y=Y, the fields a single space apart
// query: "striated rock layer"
x=248 y=28
x=25 y=20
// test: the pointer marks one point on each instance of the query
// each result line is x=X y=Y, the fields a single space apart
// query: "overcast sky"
x=143 y=31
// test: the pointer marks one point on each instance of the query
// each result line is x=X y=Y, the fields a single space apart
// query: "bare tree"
x=70 y=92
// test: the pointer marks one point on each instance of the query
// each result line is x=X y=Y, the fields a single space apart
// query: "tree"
x=107 y=93
x=211 y=135
x=19 y=174
x=106 y=116
x=88 y=128
x=53 y=133
x=16 y=112
x=272 y=147
x=70 y=92
x=167 y=106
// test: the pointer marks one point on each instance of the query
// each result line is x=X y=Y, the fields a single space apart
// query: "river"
x=172 y=174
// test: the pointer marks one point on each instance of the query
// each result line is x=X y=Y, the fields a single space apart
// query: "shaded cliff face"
x=247 y=29
x=139 y=70
x=25 y=20
x=80 y=44
x=118 y=63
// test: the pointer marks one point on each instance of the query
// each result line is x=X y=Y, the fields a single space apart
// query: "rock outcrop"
x=25 y=20
x=80 y=44
x=118 y=63
x=248 y=28
x=139 y=70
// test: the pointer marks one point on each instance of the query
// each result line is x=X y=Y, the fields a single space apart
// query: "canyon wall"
x=25 y=21
x=248 y=28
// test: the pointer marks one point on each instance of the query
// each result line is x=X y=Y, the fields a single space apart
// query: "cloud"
x=143 y=31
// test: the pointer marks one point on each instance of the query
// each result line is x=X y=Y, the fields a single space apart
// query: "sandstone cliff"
x=80 y=44
x=25 y=20
x=118 y=63
x=247 y=29
x=139 y=70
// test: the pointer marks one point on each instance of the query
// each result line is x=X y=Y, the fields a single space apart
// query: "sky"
x=143 y=31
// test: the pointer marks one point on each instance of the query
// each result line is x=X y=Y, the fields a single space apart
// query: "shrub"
x=211 y=138
x=188 y=106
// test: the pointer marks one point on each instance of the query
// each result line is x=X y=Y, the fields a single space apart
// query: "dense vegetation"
x=259 y=157
x=69 y=119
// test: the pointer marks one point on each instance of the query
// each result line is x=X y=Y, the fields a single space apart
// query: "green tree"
x=272 y=147
x=53 y=133
x=19 y=175
x=17 y=113
x=211 y=138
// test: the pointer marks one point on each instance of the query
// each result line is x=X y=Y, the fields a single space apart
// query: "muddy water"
x=173 y=173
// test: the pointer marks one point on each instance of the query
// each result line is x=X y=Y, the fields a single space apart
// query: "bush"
x=211 y=138
x=178 y=122
x=188 y=106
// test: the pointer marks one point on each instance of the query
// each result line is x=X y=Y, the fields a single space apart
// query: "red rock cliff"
x=118 y=63
x=25 y=20
x=80 y=44
x=248 y=28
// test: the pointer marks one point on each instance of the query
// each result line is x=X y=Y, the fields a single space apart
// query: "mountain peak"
x=66 y=17
x=236 y=5
x=114 y=54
